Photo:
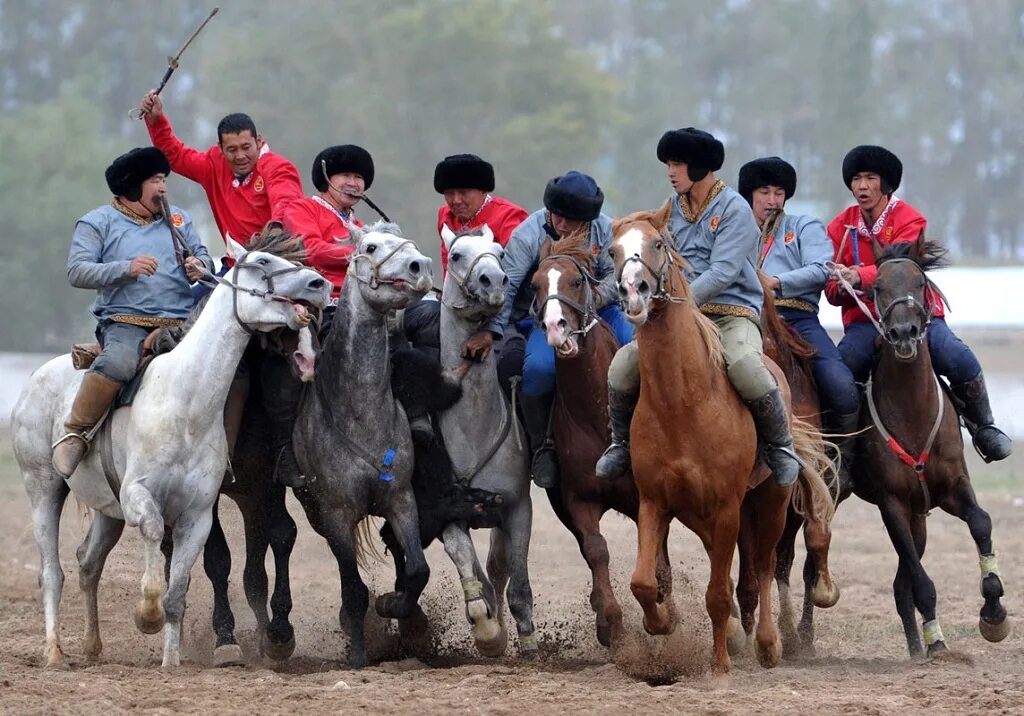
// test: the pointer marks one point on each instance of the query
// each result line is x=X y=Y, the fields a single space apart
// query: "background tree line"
x=535 y=86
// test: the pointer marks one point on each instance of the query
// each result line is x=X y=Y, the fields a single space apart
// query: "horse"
x=791 y=353
x=487 y=449
x=913 y=458
x=352 y=436
x=584 y=346
x=686 y=408
x=166 y=454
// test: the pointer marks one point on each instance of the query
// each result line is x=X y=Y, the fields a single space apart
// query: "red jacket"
x=904 y=224
x=500 y=215
x=241 y=210
x=326 y=238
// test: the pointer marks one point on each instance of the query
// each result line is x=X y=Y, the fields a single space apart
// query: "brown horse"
x=694 y=448
x=914 y=459
x=584 y=346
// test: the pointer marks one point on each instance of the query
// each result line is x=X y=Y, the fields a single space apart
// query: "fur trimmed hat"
x=126 y=173
x=463 y=171
x=341 y=159
x=699 y=150
x=766 y=171
x=877 y=160
x=575 y=196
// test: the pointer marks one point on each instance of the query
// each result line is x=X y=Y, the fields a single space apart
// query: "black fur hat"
x=126 y=173
x=700 y=151
x=463 y=171
x=340 y=159
x=575 y=196
x=878 y=160
x=766 y=171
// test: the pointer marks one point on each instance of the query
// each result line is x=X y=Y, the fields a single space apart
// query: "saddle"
x=84 y=354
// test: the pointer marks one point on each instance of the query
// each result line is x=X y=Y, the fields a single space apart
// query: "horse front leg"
x=217 y=564
x=481 y=607
x=104 y=532
x=720 y=546
x=651 y=527
x=992 y=621
x=772 y=507
x=141 y=510
x=47 y=493
x=402 y=517
x=339 y=528
x=515 y=532
x=584 y=519
x=190 y=532
x=280 y=635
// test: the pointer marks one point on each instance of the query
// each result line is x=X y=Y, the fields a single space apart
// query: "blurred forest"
x=537 y=87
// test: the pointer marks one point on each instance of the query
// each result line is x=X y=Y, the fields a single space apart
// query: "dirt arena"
x=861 y=664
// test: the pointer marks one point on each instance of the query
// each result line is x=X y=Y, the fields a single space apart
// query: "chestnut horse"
x=584 y=346
x=913 y=460
x=694 y=448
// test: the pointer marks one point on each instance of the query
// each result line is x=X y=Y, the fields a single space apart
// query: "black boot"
x=281 y=394
x=537 y=416
x=614 y=461
x=286 y=468
x=972 y=398
x=771 y=421
x=422 y=430
x=842 y=429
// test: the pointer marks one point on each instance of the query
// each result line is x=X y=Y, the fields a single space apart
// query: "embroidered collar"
x=133 y=216
x=694 y=215
x=876 y=228
x=343 y=215
x=463 y=225
x=244 y=181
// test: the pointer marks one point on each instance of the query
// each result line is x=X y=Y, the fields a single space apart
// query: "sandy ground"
x=861 y=664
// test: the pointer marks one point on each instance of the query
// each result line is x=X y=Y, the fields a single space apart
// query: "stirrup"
x=977 y=448
x=66 y=436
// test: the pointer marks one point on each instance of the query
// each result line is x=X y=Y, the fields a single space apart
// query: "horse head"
x=564 y=288
x=475 y=272
x=271 y=288
x=904 y=295
x=390 y=270
x=646 y=263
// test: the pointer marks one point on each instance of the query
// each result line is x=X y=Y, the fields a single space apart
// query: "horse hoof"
x=357 y=660
x=938 y=650
x=994 y=632
x=768 y=654
x=604 y=634
x=735 y=639
x=823 y=597
x=148 y=620
x=228 y=655
x=392 y=606
x=55 y=660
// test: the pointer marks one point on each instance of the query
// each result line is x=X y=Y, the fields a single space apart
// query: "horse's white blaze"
x=553 y=310
x=632 y=243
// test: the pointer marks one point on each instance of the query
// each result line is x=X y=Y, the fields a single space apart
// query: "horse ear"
x=447 y=235
x=660 y=218
x=355 y=233
x=919 y=249
x=234 y=249
x=487 y=233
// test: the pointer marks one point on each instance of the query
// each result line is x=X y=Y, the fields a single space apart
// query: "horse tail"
x=84 y=513
x=815 y=495
x=367 y=551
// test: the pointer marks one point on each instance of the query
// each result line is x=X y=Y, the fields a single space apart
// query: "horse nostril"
x=914 y=332
x=643 y=286
x=414 y=267
x=562 y=323
x=504 y=280
x=894 y=335
x=485 y=282
x=622 y=291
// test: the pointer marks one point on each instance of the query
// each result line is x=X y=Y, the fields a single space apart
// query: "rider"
x=715 y=232
x=793 y=253
x=572 y=205
x=125 y=251
x=873 y=175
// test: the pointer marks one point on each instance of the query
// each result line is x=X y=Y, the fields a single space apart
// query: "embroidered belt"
x=727 y=309
x=145 y=321
x=796 y=304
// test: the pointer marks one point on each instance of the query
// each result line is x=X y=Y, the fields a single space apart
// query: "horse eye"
x=371 y=248
x=659 y=245
x=576 y=282
x=455 y=257
x=263 y=261
x=611 y=252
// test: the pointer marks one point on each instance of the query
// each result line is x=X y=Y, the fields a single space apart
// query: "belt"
x=145 y=321
x=796 y=304
x=727 y=309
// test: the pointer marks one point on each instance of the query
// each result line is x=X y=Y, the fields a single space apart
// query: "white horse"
x=167 y=453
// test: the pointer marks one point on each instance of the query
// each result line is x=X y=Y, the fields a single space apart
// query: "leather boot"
x=772 y=423
x=842 y=428
x=614 y=461
x=234 y=408
x=537 y=417
x=286 y=468
x=95 y=395
x=422 y=430
x=973 y=405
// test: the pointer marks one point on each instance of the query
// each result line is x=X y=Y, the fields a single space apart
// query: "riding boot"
x=537 y=416
x=95 y=396
x=234 y=407
x=614 y=461
x=972 y=397
x=281 y=394
x=286 y=468
x=771 y=421
x=422 y=430
x=843 y=429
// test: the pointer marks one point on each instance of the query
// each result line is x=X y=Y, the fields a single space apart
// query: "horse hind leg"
x=217 y=564
x=784 y=556
x=488 y=631
x=771 y=509
x=140 y=509
x=104 y=532
x=992 y=620
x=47 y=493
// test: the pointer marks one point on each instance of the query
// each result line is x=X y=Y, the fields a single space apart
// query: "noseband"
x=587 y=312
x=375 y=279
x=460 y=281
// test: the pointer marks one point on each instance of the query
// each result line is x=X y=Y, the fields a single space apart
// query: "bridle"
x=587 y=311
x=460 y=281
x=926 y=309
x=662 y=289
x=375 y=280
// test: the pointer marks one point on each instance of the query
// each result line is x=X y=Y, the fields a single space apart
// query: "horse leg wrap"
x=988 y=565
x=932 y=632
x=472 y=588
x=528 y=642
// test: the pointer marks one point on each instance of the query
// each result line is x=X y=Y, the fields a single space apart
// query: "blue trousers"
x=836 y=386
x=951 y=357
x=539 y=360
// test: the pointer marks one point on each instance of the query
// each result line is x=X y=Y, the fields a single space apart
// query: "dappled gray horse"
x=351 y=435
x=487 y=448
x=167 y=452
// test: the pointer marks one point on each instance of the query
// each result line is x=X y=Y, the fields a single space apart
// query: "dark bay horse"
x=584 y=346
x=913 y=459
x=694 y=448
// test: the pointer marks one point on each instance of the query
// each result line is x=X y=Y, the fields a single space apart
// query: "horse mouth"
x=568 y=349
x=907 y=353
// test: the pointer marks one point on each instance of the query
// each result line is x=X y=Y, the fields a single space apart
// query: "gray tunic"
x=522 y=254
x=797 y=258
x=104 y=244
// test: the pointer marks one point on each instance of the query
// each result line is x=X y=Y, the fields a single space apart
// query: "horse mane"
x=926 y=254
x=276 y=241
x=576 y=246
x=790 y=345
